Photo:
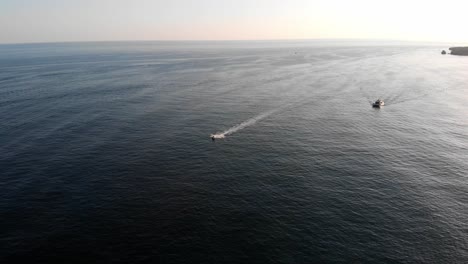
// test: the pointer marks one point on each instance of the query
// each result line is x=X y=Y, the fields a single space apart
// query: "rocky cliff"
x=463 y=51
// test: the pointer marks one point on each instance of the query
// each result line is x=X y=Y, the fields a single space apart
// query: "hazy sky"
x=96 y=20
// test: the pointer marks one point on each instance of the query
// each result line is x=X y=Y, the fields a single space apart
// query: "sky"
x=23 y=21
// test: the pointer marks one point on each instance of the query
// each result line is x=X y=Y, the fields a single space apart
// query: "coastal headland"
x=461 y=51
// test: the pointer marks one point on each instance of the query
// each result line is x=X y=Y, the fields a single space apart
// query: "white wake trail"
x=244 y=124
x=257 y=118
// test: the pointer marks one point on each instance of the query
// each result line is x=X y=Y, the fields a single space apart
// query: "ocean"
x=106 y=155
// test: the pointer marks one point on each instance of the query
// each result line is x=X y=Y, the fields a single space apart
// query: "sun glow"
x=86 y=20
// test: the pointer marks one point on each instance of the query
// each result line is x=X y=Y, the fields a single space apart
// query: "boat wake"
x=402 y=96
x=244 y=124
x=255 y=119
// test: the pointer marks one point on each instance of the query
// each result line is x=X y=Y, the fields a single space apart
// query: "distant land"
x=462 y=51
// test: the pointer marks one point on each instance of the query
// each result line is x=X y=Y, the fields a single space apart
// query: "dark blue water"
x=106 y=156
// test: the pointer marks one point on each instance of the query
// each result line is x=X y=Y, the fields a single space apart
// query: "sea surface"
x=106 y=155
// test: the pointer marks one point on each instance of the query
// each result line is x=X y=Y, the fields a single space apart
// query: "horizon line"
x=229 y=40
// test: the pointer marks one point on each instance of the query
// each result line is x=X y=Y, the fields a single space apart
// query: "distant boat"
x=379 y=103
x=444 y=52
